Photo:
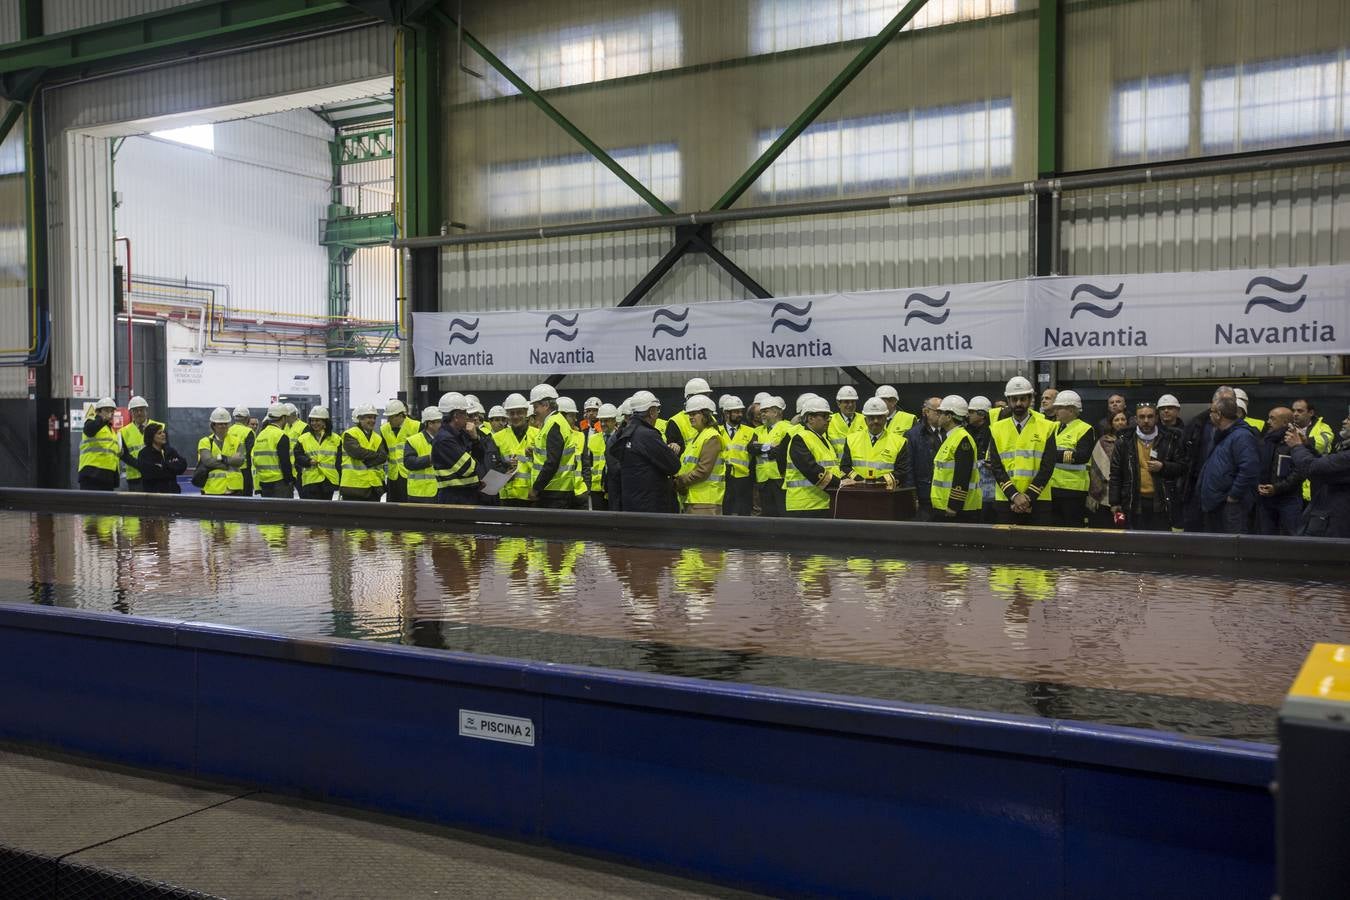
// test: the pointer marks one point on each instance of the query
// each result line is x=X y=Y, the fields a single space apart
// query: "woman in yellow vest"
x=701 y=480
x=812 y=467
x=1074 y=443
x=99 y=448
x=514 y=442
x=737 y=436
x=316 y=457
x=363 y=458
x=770 y=446
x=422 y=476
x=955 y=495
x=220 y=455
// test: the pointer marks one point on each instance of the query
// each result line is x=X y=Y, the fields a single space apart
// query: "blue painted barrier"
x=785 y=792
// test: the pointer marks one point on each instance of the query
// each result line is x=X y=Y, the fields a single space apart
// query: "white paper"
x=493 y=481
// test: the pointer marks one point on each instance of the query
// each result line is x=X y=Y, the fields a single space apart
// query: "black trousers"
x=1040 y=514
x=1148 y=520
x=136 y=484
x=420 y=500
x=739 y=498
x=320 y=490
x=808 y=513
x=964 y=516
x=279 y=490
x=1231 y=518
x=1068 y=508
x=466 y=496
x=248 y=481
x=516 y=502
x=772 y=499
x=556 y=500
x=599 y=501
x=396 y=489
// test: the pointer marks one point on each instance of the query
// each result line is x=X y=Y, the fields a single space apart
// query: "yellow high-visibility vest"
x=944 y=473
x=518 y=487
x=1021 y=452
x=1070 y=476
x=713 y=488
x=266 y=463
x=323 y=454
x=802 y=493
x=421 y=482
x=99 y=451
x=870 y=458
x=737 y=450
x=840 y=428
x=562 y=479
x=356 y=473
x=768 y=469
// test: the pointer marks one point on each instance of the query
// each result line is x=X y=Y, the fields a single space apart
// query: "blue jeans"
x=1279 y=515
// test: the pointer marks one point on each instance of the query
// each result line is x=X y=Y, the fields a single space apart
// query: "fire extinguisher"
x=53 y=429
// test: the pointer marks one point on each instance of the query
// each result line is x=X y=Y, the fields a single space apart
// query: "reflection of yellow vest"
x=99 y=451
x=871 y=459
x=421 y=482
x=562 y=479
x=1032 y=582
x=518 y=488
x=1021 y=452
x=944 y=473
x=712 y=489
x=1070 y=476
x=768 y=469
x=355 y=472
x=323 y=455
x=802 y=493
x=737 y=450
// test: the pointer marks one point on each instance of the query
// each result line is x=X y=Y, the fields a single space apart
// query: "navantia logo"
x=561 y=327
x=665 y=327
x=931 y=303
x=1279 y=287
x=463 y=330
x=1087 y=306
x=785 y=315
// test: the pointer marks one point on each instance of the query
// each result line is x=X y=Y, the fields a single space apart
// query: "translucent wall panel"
x=1150 y=80
x=1289 y=218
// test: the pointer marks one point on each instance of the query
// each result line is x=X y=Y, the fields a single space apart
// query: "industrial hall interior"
x=674 y=448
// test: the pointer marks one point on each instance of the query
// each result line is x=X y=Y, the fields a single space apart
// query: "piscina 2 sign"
x=1257 y=311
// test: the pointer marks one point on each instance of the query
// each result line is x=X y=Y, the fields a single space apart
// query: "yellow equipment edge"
x=1325 y=674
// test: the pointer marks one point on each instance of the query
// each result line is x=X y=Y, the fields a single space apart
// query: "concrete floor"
x=236 y=844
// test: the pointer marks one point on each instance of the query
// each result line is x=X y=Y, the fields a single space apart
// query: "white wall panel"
x=808 y=255
x=372 y=284
x=252 y=226
x=65 y=15
x=1288 y=218
x=371 y=381
x=251 y=379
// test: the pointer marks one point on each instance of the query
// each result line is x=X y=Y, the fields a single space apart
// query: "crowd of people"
x=1004 y=461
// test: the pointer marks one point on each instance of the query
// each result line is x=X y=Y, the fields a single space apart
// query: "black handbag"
x=200 y=476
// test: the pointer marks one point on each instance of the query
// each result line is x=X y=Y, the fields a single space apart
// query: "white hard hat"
x=887 y=392
x=470 y=398
x=697 y=386
x=106 y=403
x=1242 y=404
x=395 y=408
x=731 y=401
x=292 y=409
x=625 y=409
x=1069 y=398
x=219 y=416
x=979 y=403
x=474 y=407
x=452 y=401
x=722 y=401
x=813 y=404
x=364 y=409
x=516 y=401
x=567 y=405
x=591 y=403
x=847 y=392
x=875 y=406
x=319 y=412
x=1017 y=386
x=1241 y=396
x=1168 y=400
x=276 y=410
x=802 y=399
x=641 y=402
x=431 y=414
x=957 y=405
x=242 y=412
x=497 y=412
x=699 y=403
x=760 y=398
x=543 y=392
x=137 y=403
x=773 y=402
x=608 y=411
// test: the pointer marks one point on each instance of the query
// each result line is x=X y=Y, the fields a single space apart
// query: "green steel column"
x=422 y=186
x=30 y=19
x=1050 y=59
x=817 y=106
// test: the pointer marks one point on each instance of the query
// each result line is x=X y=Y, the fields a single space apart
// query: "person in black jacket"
x=1328 y=515
x=646 y=462
x=159 y=463
x=613 y=468
x=1143 y=463
x=1198 y=444
x=458 y=453
x=1279 y=501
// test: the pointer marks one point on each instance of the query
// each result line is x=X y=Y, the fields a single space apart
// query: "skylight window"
x=203 y=136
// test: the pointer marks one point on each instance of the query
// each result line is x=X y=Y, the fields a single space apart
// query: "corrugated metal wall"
x=859 y=251
x=64 y=15
x=9 y=22
x=15 y=298
x=1287 y=218
x=373 y=297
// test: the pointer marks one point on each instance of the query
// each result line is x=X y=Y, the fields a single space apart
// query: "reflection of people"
x=158 y=463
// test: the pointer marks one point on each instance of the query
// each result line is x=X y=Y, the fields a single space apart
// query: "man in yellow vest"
x=1074 y=443
x=99 y=448
x=1022 y=456
x=316 y=457
x=245 y=435
x=497 y=419
x=955 y=492
x=770 y=447
x=812 y=467
x=396 y=430
x=701 y=479
x=737 y=436
x=272 y=456
x=221 y=456
x=457 y=453
x=417 y=458
x=514 y=443
x=1317 y=434
x=132 y=436
x=590 y=416
x=679 y=431
x=363 y=458
x=846 y=421
x=576 y=444
x=552 y=459
x=897 y=420
x=597 y=443
x=876 y=455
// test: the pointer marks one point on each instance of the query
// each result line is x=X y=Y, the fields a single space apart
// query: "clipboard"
x=493 y=482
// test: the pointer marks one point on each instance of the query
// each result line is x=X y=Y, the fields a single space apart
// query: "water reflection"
x=1201 y=653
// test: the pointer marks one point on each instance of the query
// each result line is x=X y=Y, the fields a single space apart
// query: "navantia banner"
x=1227 y=313
x=919 y=325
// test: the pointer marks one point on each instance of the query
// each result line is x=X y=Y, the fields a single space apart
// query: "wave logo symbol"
x=1288 y=305
x=1087 y=306
x=668 y=327
x=463 y=330
x=785 y=315
x=561 y=327
x=931 y=303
